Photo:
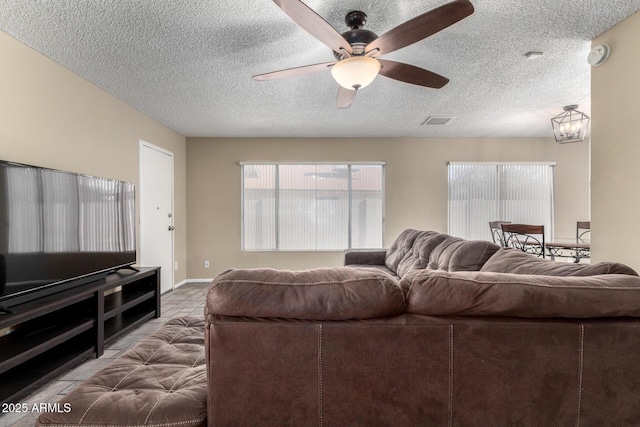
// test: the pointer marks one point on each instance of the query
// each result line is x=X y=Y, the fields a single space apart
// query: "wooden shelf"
x=117 y=303
x=42 y=306
x=19 y=347
x=125 y=322
x=54 y=333
x=44 y=367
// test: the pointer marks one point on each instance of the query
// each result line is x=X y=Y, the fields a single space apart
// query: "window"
x=312 y=206
x=483 y=192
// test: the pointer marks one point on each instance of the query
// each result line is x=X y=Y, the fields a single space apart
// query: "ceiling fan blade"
x=421 y=27
x=293 y=72
x=314 y=24
x=345 y=97
x=411 y=74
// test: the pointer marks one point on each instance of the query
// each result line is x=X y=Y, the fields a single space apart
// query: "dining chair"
x=583 y=231
x=496 y=232
x=583 y=241
x=528 y=238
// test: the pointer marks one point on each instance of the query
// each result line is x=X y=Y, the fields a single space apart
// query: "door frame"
x=142 y=145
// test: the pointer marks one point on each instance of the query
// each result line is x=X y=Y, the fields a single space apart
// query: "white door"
x=156 y=211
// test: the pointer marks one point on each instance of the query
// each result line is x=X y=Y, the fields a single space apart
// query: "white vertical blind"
x=367 y=206
x=56 y=212
x=527 y=194
x=483 y=192
x=25 y=215
x=259 y=207
x=106 y=212
x=60 y=208
x=312 y=206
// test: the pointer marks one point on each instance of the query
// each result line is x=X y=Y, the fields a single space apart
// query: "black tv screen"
x=60 y=230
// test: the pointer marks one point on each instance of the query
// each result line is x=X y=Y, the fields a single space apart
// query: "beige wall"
x=51 y=117
x=416 y=187
x=615 y=95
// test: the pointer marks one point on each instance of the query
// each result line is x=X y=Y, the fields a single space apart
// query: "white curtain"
x=484 y=192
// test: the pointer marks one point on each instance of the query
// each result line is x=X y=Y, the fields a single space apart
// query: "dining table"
x=568 y=249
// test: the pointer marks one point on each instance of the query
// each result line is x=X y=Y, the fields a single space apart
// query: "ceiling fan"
x=357 y=50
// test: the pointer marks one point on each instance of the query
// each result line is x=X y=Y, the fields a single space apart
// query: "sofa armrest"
x=365 y=256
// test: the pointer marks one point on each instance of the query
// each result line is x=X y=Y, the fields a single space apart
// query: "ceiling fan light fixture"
x=570 y=125
x=356 y=72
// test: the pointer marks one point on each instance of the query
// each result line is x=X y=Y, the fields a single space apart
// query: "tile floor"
x=187 y=300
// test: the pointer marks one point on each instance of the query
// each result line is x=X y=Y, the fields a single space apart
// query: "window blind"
x=484 y=192
x=312 y=206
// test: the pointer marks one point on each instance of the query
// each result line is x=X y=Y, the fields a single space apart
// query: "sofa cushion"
x=399 y=248
x=456 y=254
x=417 y=258
x=502 y=294
x=338 y=293
x=515 y=261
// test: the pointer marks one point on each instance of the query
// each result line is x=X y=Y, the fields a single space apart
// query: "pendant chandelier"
x=570 y=125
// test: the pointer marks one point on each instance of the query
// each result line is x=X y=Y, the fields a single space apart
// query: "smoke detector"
x=598 y=55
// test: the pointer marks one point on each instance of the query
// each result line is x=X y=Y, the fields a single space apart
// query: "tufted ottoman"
x=161 y=381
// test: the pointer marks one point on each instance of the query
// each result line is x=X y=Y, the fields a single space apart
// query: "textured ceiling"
x=188 y=63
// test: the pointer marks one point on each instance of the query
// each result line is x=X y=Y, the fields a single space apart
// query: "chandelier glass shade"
x=356 y=72
x=570 y=125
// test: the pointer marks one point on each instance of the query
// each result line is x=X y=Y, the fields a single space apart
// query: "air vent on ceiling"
x=437 y=121
x=533 y=55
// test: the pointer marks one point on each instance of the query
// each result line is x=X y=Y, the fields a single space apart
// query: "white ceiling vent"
x=437 y=120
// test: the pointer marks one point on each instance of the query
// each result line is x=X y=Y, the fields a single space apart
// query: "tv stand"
x=49 y=335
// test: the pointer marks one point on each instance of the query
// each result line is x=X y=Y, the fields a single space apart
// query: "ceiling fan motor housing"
x=356 y=36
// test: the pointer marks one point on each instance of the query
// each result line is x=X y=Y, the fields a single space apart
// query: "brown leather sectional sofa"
x=434 y=331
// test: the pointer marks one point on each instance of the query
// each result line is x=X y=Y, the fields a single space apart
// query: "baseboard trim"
x=187 y=281
x=177 y=285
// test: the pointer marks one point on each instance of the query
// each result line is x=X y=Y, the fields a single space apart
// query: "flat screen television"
x=60 y=230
